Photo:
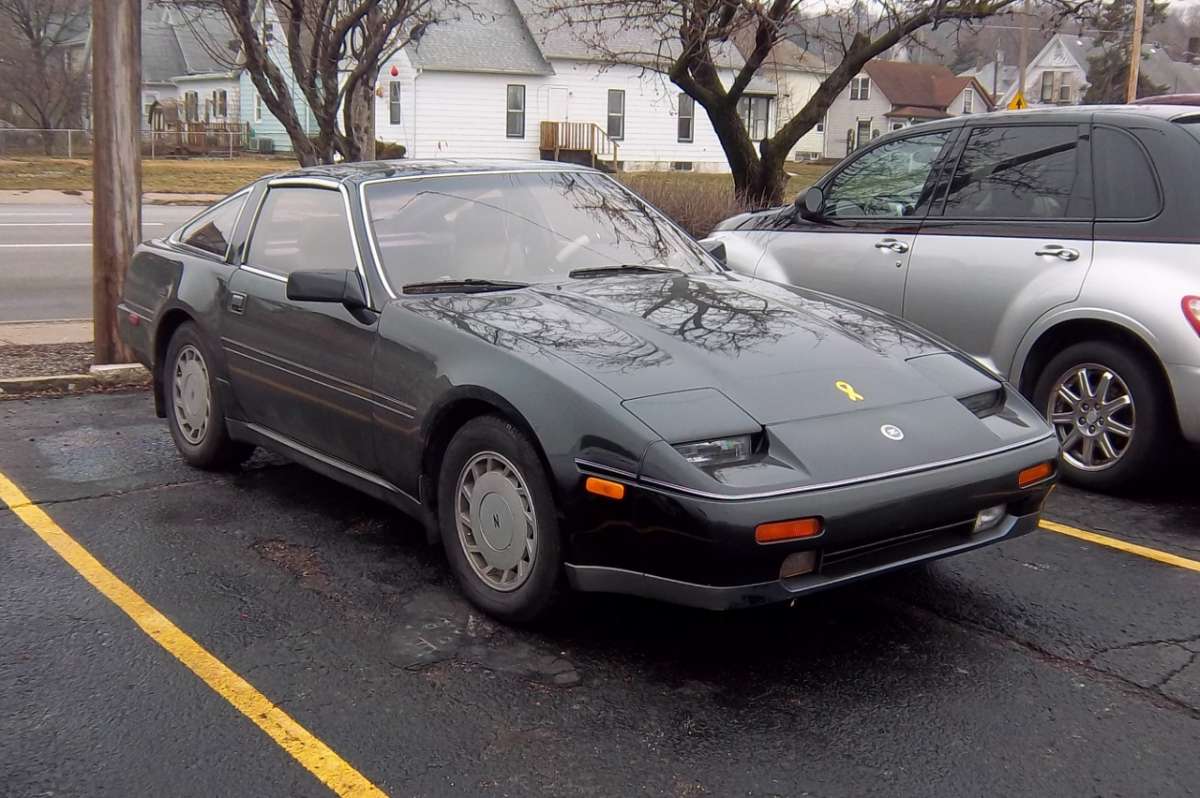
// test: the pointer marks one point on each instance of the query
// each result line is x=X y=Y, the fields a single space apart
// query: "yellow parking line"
x=318 y=758
x=1123 y=545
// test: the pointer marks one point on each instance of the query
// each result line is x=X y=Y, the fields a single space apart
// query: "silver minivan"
x=1060 y=248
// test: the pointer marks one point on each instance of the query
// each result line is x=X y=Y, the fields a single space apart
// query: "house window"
x=820 y=128
x=968 y=101
x=897 y=126
x=862 y=133
x=223 y=102
x=860 y=88
x=515 y=111
x=1048 y=86
x=682 y=166
x=258 y=104
x=687 y=118
x=1064 y=93
x=191 y=106
x=394 y=103
x=755 y=111
x=616 y=114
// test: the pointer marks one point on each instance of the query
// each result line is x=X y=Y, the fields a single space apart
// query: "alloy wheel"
x=191 y=400
x=1093 y=414
x=496 y=522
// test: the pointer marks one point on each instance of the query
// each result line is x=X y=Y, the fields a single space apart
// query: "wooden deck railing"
x=578 y=137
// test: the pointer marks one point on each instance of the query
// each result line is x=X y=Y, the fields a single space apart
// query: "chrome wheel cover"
x=190 y=394
x=496 y=523
x=1092 y=411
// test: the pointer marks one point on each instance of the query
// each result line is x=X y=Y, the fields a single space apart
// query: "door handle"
x=237 y=302
x=892 y=245
x=1058 y=251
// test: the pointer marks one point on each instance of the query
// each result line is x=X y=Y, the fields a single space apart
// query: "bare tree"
x=325 y=54
x=37 y=72
x=689 y=36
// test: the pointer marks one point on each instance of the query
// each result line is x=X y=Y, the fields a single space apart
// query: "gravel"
x=43 y=360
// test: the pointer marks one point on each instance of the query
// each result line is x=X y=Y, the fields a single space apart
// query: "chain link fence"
x=26 y=142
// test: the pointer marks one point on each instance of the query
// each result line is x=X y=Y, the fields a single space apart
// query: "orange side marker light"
x=777 y=531
x=1034 y=474
x=604 y=487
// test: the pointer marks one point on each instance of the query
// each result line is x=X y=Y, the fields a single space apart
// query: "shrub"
x=389 y=150
x=695 y=201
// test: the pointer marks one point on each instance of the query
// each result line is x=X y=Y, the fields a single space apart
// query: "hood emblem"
x=892 y=432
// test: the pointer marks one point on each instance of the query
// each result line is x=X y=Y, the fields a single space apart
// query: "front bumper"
x=702 y=552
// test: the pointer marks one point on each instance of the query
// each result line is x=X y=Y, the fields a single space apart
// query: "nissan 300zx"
x=567 y=390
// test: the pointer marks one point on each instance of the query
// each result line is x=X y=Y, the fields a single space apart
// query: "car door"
x=1009 y=238
x=300 y=370
x=859 y=245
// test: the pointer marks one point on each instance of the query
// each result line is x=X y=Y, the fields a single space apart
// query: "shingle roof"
x=490 y=36
x=921 y=85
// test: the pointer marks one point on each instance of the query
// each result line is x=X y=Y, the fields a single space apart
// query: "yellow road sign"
x=1018 y=102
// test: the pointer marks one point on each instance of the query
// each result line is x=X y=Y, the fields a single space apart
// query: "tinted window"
x=1125 y=186
x=212 y=231
x=887 y=181
x=301 y=228
x=527 y=227
x=1014 y=172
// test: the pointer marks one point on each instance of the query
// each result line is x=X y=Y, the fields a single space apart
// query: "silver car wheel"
x=191 y=399
x=497 y=526
x=1092 y=411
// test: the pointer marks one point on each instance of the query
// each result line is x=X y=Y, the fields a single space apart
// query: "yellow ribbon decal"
x=848 y=389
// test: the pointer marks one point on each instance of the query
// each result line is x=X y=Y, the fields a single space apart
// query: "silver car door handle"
x=1058 y=251
x=891 y=244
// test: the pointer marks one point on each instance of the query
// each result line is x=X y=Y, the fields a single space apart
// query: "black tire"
x=1152 y=417
x=211 y=448
x=539 y=589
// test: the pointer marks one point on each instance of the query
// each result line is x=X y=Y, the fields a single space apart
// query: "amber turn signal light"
x=604 y=487
x=777 y=531
x=1034 y=474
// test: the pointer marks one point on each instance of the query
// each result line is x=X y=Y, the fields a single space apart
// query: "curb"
x=120 y=374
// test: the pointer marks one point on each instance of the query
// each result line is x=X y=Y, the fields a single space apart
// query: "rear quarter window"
x=1126 y=187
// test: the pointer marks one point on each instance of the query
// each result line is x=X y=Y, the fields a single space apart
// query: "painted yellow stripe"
x=1123 y=545
x=318 y=758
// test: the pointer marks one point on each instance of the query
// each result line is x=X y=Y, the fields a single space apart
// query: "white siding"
x=462 y=114
x=205 y=88
x=844 y=114
x=795 y=90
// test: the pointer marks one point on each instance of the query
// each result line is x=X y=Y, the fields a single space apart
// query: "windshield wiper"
x=467 y=286
x=620 y=268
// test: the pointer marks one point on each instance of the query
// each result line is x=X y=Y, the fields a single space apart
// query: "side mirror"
x=716 y=248
x=810 y=204
x=333 y=285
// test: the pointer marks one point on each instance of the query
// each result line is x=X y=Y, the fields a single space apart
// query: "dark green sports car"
x=567 y=390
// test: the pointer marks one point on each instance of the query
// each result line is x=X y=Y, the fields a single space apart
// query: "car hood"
x=780 y=353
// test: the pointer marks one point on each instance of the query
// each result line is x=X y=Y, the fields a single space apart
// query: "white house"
x=1057 y=75
x=507 y=81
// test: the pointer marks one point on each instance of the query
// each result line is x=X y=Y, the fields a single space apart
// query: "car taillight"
x=1191 y=311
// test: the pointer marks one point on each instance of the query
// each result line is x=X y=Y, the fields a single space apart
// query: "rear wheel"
x=1110 y=412
x=498 y=522
x=194 y=411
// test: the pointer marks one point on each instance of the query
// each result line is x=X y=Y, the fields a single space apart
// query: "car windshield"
x=520 y=226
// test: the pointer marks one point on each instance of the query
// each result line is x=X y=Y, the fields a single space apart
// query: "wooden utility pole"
x=1024 y=56
x=116 y=164
x=1135 y=50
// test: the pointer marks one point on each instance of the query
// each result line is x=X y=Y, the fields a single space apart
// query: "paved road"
x=1048 y=666
x=46 y=257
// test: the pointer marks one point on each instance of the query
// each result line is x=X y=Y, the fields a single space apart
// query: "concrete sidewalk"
x=45 y=196
x=54 y=331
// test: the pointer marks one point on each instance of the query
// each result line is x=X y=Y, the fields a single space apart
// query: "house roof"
x=917 y=112
x=1178 y=77
x=489 y=36
x=785 y=55
x=987 y=73
x=919 y=85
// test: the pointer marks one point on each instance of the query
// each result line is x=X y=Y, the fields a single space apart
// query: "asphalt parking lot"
x=1049 y=666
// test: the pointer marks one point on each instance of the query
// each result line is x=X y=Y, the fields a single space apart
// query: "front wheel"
x=1110 y=412
x=498 y=522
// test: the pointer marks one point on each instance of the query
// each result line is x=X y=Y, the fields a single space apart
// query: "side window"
x=1125 y=185
x=212 y=231
x=887 y=181
x=1011 y=172
x=301 y=228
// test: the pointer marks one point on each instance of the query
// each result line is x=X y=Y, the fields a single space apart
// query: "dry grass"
x=697 y=201
x=197 y=176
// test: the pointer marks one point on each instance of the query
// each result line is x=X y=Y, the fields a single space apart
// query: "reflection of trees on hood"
x=511 y=321
x=703 y=313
